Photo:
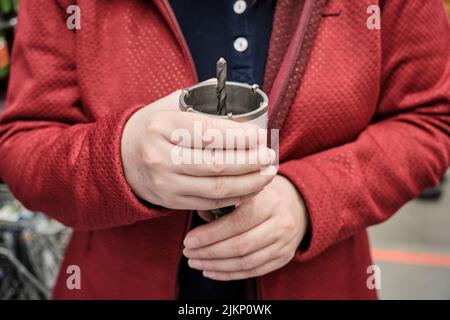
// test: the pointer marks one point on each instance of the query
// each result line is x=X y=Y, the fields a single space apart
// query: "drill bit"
x=221 y=73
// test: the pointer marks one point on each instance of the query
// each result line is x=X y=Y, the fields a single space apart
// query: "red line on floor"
x=412 y=258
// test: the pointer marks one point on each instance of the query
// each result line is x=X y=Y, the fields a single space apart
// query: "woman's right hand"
x=147 y=150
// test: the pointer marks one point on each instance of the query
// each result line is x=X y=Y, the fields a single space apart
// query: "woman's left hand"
x=259 y=236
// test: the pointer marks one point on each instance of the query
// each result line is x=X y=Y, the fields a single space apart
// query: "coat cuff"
x=324 y=223
x=127 y=202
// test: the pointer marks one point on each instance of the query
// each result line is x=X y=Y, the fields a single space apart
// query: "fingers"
x=167 y=103
x=231 y=163
x=210 y=80
x=241 y=245
x=210 y=162
x=192 y=130
x=234 y=264
x=239 y=221
x=245 y=274
x=223 y=187
x=195 y=203
x=208 y=216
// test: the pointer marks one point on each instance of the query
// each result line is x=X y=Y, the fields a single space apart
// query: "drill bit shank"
x=221 y=73
x=221 y=87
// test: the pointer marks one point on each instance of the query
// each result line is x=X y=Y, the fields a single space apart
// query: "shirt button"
x=240 y=44
x=240 y=6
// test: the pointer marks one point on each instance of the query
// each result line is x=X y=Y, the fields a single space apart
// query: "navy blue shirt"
x=213 y=28
x=239 y=32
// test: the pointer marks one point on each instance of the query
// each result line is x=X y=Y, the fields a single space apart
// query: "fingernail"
x=194 y=264
x=208 y=274
x=191 y=242
x=269 y=171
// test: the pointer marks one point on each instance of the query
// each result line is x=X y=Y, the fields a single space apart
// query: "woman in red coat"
x=364 y=119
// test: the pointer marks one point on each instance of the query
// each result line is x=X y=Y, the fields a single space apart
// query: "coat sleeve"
x=53 y=156
x=407 y=146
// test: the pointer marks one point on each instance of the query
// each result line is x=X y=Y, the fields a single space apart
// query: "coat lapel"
x=167 y=13
x=289 y=50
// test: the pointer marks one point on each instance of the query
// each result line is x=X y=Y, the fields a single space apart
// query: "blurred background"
x=412 y=249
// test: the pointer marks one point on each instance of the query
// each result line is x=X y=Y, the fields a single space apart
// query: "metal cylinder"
x=244 y=103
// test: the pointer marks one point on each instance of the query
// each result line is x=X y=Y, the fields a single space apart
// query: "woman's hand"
x=149 y=144
x=260 y=236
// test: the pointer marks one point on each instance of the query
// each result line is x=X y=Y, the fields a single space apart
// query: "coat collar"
x=166 y=11
x=296 y=24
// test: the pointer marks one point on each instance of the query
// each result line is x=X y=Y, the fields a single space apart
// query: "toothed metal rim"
x=244 y=117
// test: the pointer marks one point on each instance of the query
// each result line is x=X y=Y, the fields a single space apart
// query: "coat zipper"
x=281 y=83
x=290 y=59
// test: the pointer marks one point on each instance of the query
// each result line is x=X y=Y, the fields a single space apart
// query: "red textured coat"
x=367 y=130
